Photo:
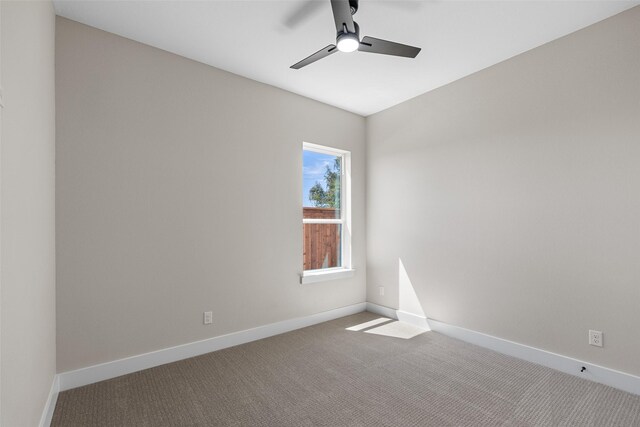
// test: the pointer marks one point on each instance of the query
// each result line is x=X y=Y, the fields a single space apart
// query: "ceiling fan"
x=348 y=37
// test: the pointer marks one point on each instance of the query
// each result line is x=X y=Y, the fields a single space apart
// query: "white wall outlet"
x=381 y=290
x=208 y=317
x=595 y=338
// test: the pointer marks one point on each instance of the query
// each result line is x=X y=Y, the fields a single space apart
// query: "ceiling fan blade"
x=342 y=15
x=385 y=47
x=302 y=12
x=322 y=53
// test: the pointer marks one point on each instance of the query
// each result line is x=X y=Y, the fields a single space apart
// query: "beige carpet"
x=326 y=375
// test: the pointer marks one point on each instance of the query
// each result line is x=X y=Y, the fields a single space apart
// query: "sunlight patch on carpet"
x=397 y=330
x=368 y=324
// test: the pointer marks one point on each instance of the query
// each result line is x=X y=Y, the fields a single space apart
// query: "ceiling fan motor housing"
x=354 y=6
x=345 y=31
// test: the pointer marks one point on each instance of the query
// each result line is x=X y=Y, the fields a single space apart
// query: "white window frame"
x=346 y=270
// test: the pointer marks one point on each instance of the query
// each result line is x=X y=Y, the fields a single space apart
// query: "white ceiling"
x=256 y=39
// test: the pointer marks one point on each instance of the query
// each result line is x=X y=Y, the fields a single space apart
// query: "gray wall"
x=179 y=191
x=512 y=197
x=27 y=222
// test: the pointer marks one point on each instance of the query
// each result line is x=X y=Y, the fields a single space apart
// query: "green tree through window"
x=327 y=195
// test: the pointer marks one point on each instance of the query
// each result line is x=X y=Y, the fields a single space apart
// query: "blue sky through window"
x=314 y=165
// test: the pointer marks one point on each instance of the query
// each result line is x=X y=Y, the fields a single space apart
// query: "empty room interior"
x=319 y=213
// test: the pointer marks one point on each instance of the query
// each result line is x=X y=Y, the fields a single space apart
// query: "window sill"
x=323 y=276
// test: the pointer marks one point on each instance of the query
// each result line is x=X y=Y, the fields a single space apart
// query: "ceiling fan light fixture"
x=348 y=42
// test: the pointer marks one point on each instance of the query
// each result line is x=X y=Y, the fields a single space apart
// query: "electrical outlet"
x=381 y=290
x=208 y=317
x=595 y=338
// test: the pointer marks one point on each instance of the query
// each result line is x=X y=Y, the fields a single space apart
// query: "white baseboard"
x=403 y=316
x=568 y=365
x=382 y=310
x=50 y=406
x=116 y=368
x=104 y=371
x=413 y=319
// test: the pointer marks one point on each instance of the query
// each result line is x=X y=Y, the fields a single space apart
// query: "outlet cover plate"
x=208 y=317
x=595 y=338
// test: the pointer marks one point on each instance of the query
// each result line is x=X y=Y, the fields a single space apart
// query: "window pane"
x=321 y=184
x=322 y=248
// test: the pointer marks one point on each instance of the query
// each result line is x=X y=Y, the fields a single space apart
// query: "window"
x=326 y=217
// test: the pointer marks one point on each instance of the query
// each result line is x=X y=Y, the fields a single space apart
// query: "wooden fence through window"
x=321 y=241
